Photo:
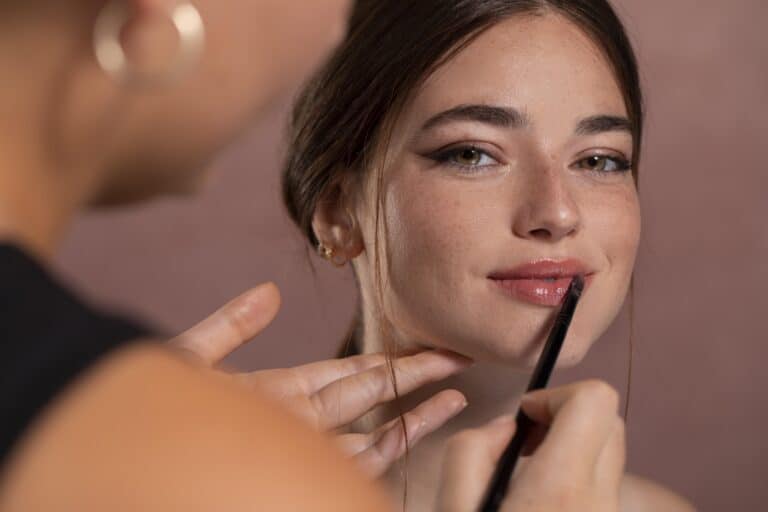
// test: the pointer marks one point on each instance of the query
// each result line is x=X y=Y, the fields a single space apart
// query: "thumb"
x=231 y=326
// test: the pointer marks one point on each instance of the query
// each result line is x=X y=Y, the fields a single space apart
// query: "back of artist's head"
x=118 y=100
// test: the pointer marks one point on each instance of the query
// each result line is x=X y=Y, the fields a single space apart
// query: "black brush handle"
x=499 y=485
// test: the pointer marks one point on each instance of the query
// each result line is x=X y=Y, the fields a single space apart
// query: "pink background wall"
x=698 y=399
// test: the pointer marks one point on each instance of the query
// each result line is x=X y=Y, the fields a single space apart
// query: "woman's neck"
x=491 y=391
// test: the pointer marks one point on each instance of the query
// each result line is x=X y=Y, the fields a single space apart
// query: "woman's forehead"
x=530 y=63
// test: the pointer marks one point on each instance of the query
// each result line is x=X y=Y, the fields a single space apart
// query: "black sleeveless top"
x=47 y=338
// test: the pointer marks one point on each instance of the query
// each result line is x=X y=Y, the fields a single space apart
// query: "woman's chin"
x=523 y=357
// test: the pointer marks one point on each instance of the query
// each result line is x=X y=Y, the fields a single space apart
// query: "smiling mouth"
x=543 y=283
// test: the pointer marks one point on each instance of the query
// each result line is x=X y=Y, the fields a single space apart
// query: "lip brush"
x=497 y=490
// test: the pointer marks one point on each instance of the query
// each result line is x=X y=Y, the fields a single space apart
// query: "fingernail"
x=507 y=418
x=255 y=296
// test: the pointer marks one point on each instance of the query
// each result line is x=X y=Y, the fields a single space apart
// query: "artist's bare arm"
x=146 y=431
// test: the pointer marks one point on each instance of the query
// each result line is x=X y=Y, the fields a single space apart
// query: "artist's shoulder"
x=640 y=494
x=184 y=436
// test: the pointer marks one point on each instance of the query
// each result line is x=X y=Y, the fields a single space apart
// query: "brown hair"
x=342 y=119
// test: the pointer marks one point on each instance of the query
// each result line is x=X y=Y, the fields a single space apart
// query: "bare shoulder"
x=640 y=494
x=145 y=430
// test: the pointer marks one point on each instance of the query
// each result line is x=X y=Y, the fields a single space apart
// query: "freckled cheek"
x=616 y=219
x=419 y=230
x=427 y=231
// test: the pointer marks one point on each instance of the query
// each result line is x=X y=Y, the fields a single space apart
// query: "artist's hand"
x=577 y=460
x=331 y=394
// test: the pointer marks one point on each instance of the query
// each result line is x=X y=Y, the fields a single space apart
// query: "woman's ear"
x=337 y=229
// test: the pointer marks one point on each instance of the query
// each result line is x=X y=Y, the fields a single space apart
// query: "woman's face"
x=508 y=174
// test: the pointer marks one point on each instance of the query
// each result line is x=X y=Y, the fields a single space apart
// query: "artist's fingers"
x=578 y=465
x=377 y=451
x=347 y=399
x=307 y=379
x=234 y=324
x=432 y=413
x=586 y=411
x=319 y=374
x=469 y=463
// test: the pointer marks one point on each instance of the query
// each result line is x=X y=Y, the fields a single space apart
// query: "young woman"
x=469 y=158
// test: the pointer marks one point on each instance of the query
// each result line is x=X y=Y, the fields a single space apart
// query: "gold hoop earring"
x=328 y=253
x=111 y=56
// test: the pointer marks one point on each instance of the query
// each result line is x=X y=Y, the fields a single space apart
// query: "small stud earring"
x=328 y=253
x=324 y=251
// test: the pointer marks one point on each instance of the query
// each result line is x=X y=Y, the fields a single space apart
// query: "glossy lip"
x=543 y=282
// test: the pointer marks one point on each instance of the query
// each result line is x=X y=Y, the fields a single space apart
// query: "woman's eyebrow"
x=603 y=123
x=503 y=117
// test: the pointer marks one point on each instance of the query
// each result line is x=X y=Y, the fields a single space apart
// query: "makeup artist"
x=113 y=102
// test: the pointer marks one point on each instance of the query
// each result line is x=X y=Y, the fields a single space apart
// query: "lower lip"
x=541 y=292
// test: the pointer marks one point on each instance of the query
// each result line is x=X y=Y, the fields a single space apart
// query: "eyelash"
x=446 y=157
x=622 y=164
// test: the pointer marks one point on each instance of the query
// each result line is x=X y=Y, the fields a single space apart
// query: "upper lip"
x=545 y=269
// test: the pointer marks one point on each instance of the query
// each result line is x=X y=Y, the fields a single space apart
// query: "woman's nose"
x=547 y=211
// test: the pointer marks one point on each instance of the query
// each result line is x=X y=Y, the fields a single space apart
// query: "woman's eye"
x=600 y=163
x=469 y=157
x=465 y=158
